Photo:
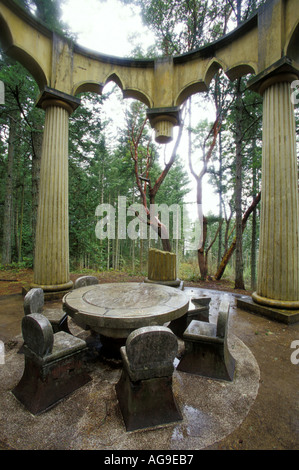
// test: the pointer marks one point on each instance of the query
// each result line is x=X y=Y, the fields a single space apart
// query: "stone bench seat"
x=198 y=331
x=64 y=344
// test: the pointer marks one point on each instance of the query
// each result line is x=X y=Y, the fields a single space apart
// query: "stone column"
x=162 y=268
x=278 y=264
x=51 y=263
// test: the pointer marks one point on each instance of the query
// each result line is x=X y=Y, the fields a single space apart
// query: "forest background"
x=117 y=156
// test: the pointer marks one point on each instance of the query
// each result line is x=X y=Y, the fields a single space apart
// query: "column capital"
x=163 y=120
x=52 y=97
x=284 y=70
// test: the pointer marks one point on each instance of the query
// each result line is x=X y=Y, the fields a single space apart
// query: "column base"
x=278 y=314
x=281 y=304
x=174 y=283
x=55 y=287
x=53 y=292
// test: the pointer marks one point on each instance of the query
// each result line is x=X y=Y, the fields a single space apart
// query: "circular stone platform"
x=90 y=417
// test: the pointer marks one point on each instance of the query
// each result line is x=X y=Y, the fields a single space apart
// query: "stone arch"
x=90 y=86
x=114 y=77
x=97 y=87
x=20 y=54
x=211 y=70
x=134 y=93
x=192 y=88
x=5 y=34
x=197 y=86
x=292 y=45
x=239 y=70
x=30 y=64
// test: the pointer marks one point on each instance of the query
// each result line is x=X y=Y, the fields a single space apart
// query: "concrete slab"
x=278 y=314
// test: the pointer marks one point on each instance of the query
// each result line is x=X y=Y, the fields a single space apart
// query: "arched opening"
x=21 y=55
x=293 y=46
x=5 y=34
x=189 y=90
x=239 y=70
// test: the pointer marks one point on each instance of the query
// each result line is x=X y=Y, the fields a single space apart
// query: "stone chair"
x=206 y=348
x=198 y=310
x=144 y=390
x=54 y=365
x=34 y=303
x=85 y=281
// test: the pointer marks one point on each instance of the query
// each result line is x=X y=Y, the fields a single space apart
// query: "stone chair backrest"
x=38 y=334
x=222 y=321
x=150 y=347
x=34 y=301
x=85 y=281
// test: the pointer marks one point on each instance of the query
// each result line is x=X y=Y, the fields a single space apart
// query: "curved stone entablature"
x=58 y=63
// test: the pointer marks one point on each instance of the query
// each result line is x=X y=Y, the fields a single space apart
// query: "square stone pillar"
x=51 y=262
x=278 y=264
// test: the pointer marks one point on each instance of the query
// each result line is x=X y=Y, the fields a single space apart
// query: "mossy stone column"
x=51 y=263
x=278 y=264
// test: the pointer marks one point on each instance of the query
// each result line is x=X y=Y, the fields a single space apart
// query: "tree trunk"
x=227 y=255
x=220 y=198
x=202 y=259
x=8 y=203
x=20 y=235
x=239 y=281
x=202 y=262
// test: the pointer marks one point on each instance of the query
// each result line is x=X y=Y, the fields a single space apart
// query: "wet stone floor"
x=259 y=410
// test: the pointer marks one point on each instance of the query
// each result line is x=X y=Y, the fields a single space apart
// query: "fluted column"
x=278 y=265
x=51 y=263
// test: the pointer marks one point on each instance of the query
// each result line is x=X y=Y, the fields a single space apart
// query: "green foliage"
x=100 y=172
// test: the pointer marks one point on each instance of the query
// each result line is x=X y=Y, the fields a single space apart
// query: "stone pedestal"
x=51 y=263
x=162 y=268
x=278 y=264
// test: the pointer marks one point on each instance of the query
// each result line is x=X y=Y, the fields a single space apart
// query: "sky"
x=105 y=26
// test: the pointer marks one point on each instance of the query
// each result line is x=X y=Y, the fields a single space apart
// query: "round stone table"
x=115 y=310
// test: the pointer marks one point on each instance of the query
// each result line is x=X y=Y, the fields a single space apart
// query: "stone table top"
x=116 y=309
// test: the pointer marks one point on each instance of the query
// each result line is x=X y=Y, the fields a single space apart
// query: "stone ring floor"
x=89 y=419
x=258 y=411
